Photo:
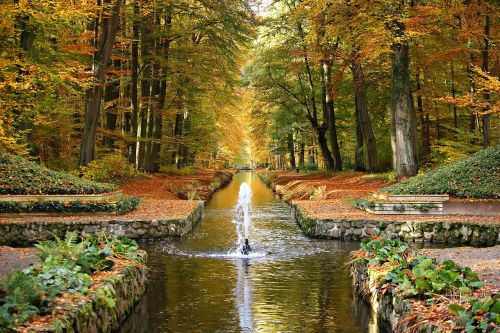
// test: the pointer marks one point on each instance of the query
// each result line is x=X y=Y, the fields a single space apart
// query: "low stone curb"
x=90 y=315
x=415 y=231
x=23 y=233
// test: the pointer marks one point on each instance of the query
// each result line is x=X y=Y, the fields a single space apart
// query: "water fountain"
x=243 y=219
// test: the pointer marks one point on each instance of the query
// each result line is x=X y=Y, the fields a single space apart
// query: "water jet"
x=243 y=219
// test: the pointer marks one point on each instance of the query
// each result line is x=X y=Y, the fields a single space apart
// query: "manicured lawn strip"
x=477 y=176
x=453 y=296
x=20 y=176
x=67 y=266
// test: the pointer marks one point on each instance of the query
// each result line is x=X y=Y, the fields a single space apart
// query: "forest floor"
x=340 y=189
x=162 y=198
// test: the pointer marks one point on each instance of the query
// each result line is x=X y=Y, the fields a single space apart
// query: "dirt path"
x=12 y=259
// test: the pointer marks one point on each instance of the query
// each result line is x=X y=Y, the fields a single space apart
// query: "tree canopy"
x=331 y=84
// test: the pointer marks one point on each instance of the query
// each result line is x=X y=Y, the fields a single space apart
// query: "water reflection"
x=299 y=285
x=243 y=295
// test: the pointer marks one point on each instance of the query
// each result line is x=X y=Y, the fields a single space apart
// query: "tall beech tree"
x=106 y=28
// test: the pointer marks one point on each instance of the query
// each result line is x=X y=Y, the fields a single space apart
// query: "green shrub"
x=20 y=176
x=121 y=206
x=477 y=176
x=110 y=167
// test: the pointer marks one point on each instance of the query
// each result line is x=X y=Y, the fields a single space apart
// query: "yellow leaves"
x=484 y=100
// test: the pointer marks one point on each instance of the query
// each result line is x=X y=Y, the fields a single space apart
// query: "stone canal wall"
x=23 y=233
x=477 y=234
x=124 y=285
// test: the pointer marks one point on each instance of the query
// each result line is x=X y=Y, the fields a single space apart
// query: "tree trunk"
x=302 y=153
x=453 y=94
x=313 y=117
x=157 y=133
x=109 y=28
x=404 y=111
x=146 y=92
x=134 y=85
x=485 y=54
x=424 y=123
x=179 y=120
x=330 y=115
x=358 y=152
x=364 y=117
x=111 y=94
x=291 y=151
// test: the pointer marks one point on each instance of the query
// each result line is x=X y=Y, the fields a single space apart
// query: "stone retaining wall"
x=90 y=315
x=419 y=232
x=389 y=308
x=23 y=233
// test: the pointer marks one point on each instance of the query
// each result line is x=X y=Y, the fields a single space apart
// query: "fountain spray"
x=243 y=218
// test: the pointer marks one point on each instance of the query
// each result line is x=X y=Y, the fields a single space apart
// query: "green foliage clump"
x=21 y=297
x=482 y=315
x=110 y=167
x=424 y=277
x=67 y=265
x=121 y=206
x=383 y=249
x=477 y=176
x=62 y=276
x=20 y=176
x=363 y=204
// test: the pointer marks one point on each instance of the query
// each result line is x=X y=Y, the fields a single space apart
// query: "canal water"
x=291 y=283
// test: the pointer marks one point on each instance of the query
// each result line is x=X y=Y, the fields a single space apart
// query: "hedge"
x=20 y=176
x=122 y=206
x=477 y=176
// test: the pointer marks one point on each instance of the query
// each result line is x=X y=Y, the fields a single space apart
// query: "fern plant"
x=319 y=193
x=83 y=253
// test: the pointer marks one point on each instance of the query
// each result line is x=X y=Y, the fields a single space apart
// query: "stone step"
x=411 y=198
x=61 y=197
x=390 y=208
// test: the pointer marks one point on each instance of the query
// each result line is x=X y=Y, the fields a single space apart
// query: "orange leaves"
x=486 y=85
